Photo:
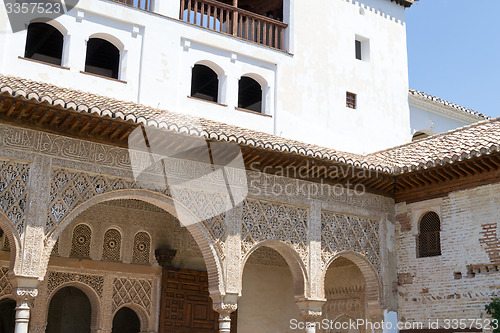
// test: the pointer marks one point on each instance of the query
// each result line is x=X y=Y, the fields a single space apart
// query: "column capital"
x=24 y=287
x=310 y=308
x=225 y=305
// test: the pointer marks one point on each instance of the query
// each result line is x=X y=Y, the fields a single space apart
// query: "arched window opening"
x=126 y=321
x=4 y=242
x=80 y=245
x=204 y=83
x=266 y=272
x=7 y=315
x=429 y=238
x=250 y=94
x=103 y=58
x=142 y=248
x=421 y=135
x=69 y=311
x=111 y=249
x=344 y=280
x=44 y=43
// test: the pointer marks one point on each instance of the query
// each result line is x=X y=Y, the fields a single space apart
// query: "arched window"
x=142 y=248
x=44 y=43
x=80 y=245
x=103 y=58
x=112 y=245
x=429 y=238
x=7 y=315
x=69 y=311
x=204 y=83
x=250 y=94
x=126 y=321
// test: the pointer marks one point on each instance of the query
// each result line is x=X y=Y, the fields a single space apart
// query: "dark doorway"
x=7 y=315
x=250 y=94
x=103 y=58
x=44 y=43
x=204 y=83
x=126 y=321
x=69 y=311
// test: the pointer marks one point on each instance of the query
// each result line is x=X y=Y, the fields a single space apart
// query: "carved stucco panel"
x=350 y=233
x=5 y=285
x=136 y=291
x=14 y=178
x=56 y=279
x=264 y=220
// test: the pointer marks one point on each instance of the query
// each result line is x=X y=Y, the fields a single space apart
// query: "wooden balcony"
x=231 y=20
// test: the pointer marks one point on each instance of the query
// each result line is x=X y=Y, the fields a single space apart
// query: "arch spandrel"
x=73 y=192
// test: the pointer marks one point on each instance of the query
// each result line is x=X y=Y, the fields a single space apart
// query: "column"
x=310 y=311
x=24 y=296
x=225 y=305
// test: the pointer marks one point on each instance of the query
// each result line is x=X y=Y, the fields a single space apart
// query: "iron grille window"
x=350 y=100
x=429 y=238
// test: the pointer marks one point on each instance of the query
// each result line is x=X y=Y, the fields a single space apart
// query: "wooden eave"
x=410 y=186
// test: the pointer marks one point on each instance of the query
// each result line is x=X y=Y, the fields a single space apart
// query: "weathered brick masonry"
x=445 y=286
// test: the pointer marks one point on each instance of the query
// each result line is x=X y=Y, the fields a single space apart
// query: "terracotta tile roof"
x=171 y=121
x=467 y=142
x=463 y=143
x=438 y=100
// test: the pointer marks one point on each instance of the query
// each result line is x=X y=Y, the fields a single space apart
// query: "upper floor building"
x=331 y=73
x=431 y=115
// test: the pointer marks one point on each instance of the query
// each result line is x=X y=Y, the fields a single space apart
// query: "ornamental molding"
x=441 y=109
x=27 y=292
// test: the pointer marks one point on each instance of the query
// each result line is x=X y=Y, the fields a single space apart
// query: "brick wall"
x=444 y=287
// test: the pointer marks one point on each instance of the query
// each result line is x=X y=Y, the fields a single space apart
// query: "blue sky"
x=454 y=51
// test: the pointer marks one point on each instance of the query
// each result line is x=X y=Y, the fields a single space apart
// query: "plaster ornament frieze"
x=94 y=157
x=14 y=178
x=350 y=233
x=56 y=279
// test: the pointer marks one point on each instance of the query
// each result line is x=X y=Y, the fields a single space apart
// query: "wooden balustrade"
x=231 y=20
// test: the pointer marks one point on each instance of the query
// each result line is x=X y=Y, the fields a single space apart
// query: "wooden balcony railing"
x=227 y=19
x=141 y=4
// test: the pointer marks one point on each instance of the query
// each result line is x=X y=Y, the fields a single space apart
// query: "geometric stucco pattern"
x=207 y=204
x=13 y=183
x=272 y=221
x=136 y=291
x=349 y=233
x=96 y=282
x=5 y=285
x=69 y=188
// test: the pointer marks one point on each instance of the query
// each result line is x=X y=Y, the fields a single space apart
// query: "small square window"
x=350 y=100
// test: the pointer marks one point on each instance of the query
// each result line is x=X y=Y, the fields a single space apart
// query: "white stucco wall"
x=304 y=89
x=435 y=118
